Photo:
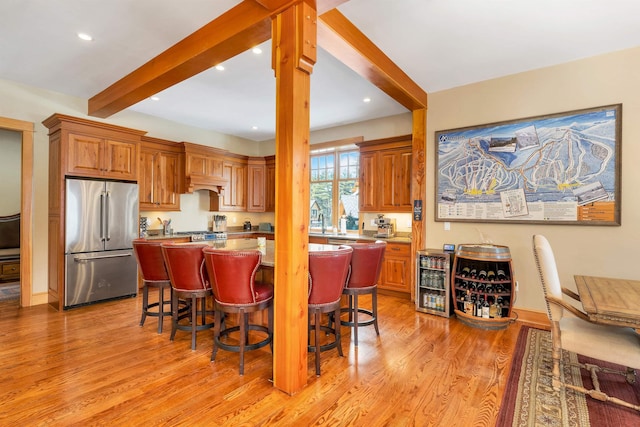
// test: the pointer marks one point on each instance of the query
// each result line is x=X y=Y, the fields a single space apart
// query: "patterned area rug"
x=530 y=400
x=9 y=291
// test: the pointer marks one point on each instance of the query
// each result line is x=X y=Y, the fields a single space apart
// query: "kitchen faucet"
x=321 y=218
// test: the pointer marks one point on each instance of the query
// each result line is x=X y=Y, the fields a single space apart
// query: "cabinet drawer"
x=12 y=268
x=398 y=249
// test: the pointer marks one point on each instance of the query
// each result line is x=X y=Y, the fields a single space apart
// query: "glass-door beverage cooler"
x=433 y=269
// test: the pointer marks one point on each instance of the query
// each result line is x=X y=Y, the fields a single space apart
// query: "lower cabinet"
x=395 y=274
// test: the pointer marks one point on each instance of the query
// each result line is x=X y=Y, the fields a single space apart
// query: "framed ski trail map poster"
x=560 y=168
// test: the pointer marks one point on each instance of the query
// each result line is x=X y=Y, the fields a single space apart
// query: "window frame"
x=335 y=148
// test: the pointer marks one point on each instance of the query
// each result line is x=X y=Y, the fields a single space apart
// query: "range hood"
x=195 y=182
x=203 y=168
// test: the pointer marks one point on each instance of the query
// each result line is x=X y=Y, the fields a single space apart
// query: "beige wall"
x=10 y=154
x=602 y=80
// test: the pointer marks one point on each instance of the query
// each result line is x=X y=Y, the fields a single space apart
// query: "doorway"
x=26 y=211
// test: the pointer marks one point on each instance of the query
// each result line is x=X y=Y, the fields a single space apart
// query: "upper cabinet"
x=161 y=174
x=233 y=197
x=385 y=175
x=203 y=168
x=270 y=184
x=100 y=157
x=256 y=170
x=95 y=150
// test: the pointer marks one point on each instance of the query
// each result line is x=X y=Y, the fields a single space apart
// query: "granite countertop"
x=399 y=238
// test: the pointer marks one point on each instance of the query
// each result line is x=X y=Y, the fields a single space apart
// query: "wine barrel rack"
x=472 y=280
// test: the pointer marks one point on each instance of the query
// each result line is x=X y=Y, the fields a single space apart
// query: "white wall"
x=10 y=155
x=590 y=250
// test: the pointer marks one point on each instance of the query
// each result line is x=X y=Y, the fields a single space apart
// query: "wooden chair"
x=235 y=290
x=571 y=330
x=328 y=274
x=366 y=261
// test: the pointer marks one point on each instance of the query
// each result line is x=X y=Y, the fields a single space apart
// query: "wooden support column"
x=294 y=54
x=418 y=185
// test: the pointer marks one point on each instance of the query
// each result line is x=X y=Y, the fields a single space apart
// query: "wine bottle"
x=482 y=275
x=485 y=308
x=493 y=310
x=501 y=275
x=468 y=305
x=465 y=272
x=473 y=273
x=491 y=275
x=478 y=307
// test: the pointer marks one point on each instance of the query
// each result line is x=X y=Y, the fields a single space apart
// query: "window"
x=334 y=168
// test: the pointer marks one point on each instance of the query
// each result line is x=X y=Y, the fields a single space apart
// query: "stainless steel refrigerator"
x=101 y=222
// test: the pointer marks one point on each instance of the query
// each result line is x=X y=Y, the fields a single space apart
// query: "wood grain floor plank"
x=95 y=366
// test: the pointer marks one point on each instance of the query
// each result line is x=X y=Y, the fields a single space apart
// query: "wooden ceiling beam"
x=240 y=28
x=343 y=40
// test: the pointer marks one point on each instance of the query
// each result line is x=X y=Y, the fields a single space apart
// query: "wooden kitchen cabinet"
x=270 y=184
x=395 y=274
x=160 y=180
x=203 y=168
x=234 y=194
x=256 y=184
x=385 y=175
x=81 y=148
x=97 y=157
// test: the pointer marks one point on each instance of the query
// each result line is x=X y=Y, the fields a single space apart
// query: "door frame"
x=26 y=205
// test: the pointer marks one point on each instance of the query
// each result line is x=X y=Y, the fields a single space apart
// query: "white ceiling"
x=440 y=44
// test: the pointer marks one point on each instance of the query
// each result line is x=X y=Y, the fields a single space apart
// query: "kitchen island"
x=268 y=251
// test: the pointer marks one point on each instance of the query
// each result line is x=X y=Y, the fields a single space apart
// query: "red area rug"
x=529 y=398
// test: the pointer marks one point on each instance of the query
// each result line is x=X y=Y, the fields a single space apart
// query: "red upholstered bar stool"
x=328 y=273
x=154 y=275
x=366 y=262
x=235 y=290
x=189 y=280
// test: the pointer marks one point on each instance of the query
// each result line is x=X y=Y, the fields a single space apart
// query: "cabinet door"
x=256 y=188
x=85 y=154
x=270 y=188
x=159 y=180
x=167 y=185
x=146 y=179
x=234 y=197
x=403 y=181
x=395 y=173
x=396 y=269
x=387 y=180
x=368 y=181
x=120 y=160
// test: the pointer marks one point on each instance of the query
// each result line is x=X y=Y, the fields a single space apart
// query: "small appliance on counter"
x=247 y=225
x=386 y=226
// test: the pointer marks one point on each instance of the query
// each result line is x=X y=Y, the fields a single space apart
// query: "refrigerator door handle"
x=95 y=258
x=106 y=216
x=102 y=215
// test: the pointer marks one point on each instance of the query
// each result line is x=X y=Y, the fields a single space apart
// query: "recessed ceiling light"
x=256 y=50
x=366 y=100
x=155 y=98
x=220 y=67
x=254 y=127
x=85 y=36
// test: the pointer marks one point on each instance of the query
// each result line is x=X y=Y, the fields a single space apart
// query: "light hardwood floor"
x=95 y=366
